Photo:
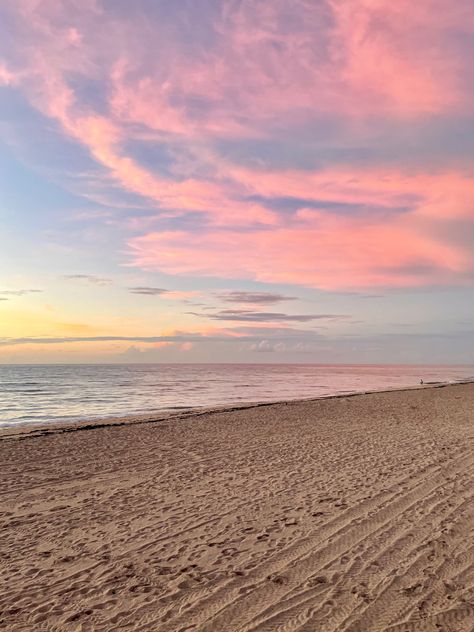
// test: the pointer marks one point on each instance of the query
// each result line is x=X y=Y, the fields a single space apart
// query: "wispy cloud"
x=148 y=291
x=267 y=317
x=88 y=278
x=176 y=295
x=54 y=340
x=254 y=298
x=280 y=332
x=190 y=337
x=6 y=293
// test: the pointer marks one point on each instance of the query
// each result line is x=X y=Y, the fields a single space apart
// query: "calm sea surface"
x=30 y=394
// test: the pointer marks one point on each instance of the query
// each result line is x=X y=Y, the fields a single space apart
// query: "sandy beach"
x=352 y=513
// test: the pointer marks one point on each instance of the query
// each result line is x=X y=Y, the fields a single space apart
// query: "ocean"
x=52 y=393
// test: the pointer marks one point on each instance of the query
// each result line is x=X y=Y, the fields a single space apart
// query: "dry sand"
x=343 y=514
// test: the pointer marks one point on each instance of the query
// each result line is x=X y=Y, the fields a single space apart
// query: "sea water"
x=51 y=393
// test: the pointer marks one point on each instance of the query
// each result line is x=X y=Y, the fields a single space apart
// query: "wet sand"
x=352 y=513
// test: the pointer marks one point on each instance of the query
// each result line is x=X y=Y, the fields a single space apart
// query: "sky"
x=237 y=181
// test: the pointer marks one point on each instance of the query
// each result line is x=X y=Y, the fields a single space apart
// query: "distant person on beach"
x=421 y=381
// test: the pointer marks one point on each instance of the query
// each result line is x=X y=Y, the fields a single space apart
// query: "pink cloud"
x=263 y=66
x=321 y=248
x=436 y=194
x=396 y=56
x=6 y=77
x=370 y=58
x=326 y=253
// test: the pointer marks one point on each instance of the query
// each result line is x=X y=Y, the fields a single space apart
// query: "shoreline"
x=63 y=426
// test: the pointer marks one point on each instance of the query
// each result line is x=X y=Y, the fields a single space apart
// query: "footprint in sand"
x=281 y=580
x=320 y=580
x=230 y=551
